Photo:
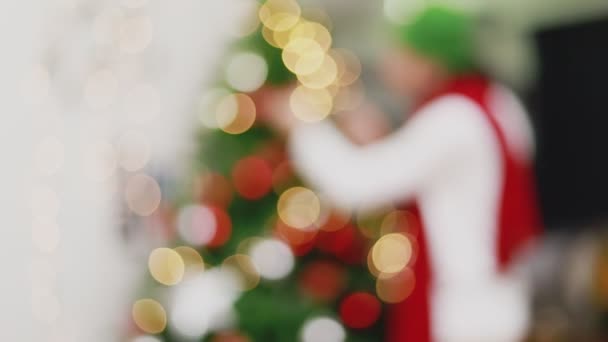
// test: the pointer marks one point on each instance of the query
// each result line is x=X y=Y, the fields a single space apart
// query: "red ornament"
x=214 y=189
x=360 y=310
x=252 y=177
x=223 y=228
x=337 y=241
x=323 y=280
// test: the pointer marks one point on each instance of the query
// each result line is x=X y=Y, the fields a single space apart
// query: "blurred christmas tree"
x=255 y=255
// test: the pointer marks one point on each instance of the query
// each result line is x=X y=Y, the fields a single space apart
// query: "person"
x=463 y=159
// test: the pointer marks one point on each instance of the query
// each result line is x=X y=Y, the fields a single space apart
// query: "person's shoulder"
x=452 y=115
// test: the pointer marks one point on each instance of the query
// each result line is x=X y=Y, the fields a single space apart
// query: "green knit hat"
x=278 y=73
x=442 y=33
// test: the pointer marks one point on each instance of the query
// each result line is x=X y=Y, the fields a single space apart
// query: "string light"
x=280 y=15
x=166 y=266
x=299 y=207
x=323 y=77
x=391 y=253
x=235 y=113
x=244 y=268
x=149 y=316
x=394 y=288
x=193 y=261
x=310 y=105
x=303 y=56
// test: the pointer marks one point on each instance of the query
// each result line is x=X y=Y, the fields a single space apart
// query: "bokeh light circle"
x=196 y=224
x=395 y=287
x=246 y=71
x=193 y=261
x=323 y=329
x=166 y=266
x=149 y=316
x=299 y=207
x=360 y=310
x=391 y=253
x=252 y=177
x=235 y=113
x=272 y=258
x=303 y=56
x=245 y=270
x=310 y=105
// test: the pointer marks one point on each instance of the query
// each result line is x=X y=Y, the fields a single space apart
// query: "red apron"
x=518 y=222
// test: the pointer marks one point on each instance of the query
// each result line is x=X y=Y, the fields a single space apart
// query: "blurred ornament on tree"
x=323 y=280
x=252 y=177
x=360 y=310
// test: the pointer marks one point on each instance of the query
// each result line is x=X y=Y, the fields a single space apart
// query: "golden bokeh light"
x=391 y=253
x=349 y=97
x=370 y=221
x=193 y=261
x=299 y=207
x=394 y=288
x=166 y=266
x=149 y=316
x=323 y=77
x=208 y=106
x=313 y=31
x=280 y=15
x=303 y=56
x=235 y=113
x=397 y=221
x=310 y=105
x=142 y=194
x=245 y=270
x=349 y=66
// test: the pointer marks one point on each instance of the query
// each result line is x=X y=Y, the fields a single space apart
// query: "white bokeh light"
x=273 y=258
x=196 y=225
x=204 y=303
x=246 y=71
x=323 y=329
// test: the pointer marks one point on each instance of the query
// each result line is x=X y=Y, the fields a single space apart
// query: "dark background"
x=570 y=112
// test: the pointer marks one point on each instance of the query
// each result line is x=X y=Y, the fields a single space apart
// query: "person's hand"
x=363 y=125
x=273 y=109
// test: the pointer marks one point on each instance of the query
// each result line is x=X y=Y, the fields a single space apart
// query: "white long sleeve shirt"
x=447 y=158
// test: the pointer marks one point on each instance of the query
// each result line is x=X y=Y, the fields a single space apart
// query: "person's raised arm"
x=392 y=169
